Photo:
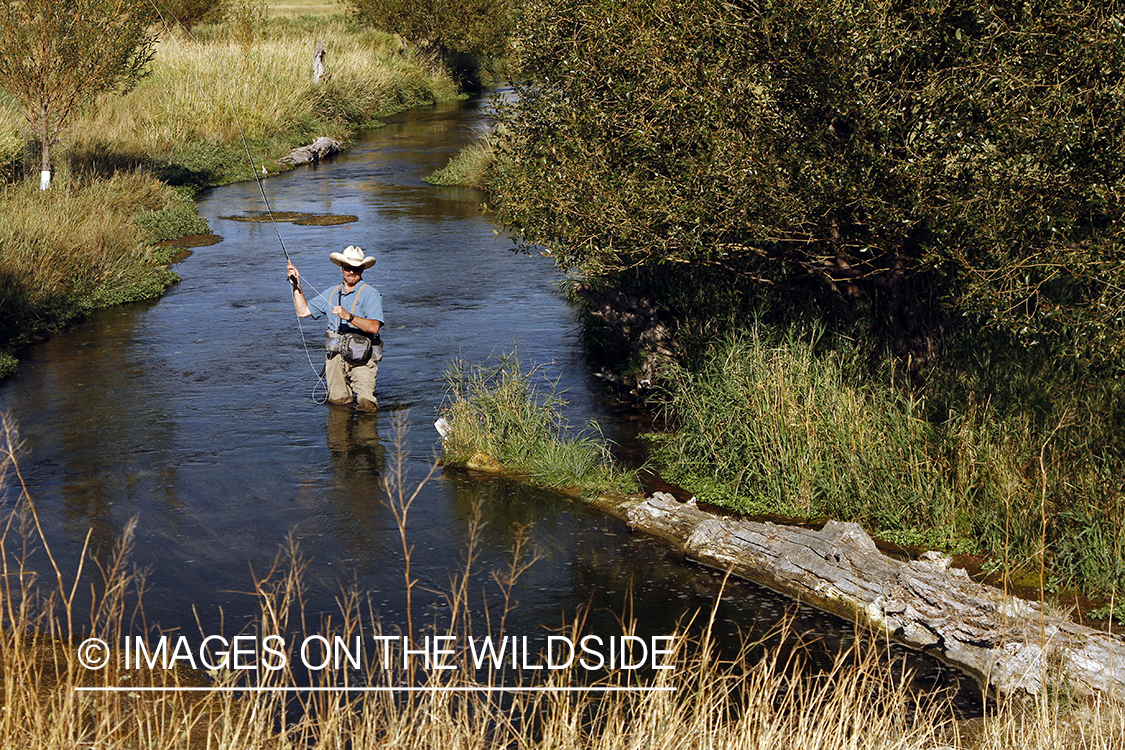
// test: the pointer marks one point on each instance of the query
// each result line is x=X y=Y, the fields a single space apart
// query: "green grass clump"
x=500 y=419
x=468 y=167
x=80 y=246
x=178 y=217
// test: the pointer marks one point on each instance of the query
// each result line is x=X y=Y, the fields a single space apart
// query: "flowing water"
x=197 y=415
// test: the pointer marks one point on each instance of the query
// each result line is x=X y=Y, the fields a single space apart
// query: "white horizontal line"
x=294 y=689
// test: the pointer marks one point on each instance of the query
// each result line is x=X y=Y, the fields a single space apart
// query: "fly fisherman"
x=352 y=343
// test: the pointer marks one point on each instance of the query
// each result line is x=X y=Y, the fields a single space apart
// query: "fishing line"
x=261 y=189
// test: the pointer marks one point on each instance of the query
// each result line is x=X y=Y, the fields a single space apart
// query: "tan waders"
x=344 y=379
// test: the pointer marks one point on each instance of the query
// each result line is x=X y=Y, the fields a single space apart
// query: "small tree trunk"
x=320 y=61
x=45 y=165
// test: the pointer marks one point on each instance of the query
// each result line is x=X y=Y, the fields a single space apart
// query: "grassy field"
x=211 y=97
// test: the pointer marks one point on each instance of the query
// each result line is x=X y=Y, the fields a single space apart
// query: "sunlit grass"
x=304 y=8
x=219 y=91
x=468 y=167
x=503 y=418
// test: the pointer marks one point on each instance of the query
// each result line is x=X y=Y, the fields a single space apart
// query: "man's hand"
x=294 y=276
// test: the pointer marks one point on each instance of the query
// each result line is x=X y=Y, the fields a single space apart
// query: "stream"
x=197 y=415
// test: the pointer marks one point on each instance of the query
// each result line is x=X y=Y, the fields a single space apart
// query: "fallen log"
x=1011 y=645
x=313 y=152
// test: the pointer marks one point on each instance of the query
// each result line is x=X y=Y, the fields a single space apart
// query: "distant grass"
x=468 y=167
x=11 y=139
x=500 y=419
x=187 y=120
x=304 y=8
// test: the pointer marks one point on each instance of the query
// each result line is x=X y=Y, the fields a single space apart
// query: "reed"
x=503 y=418
x=801 y=424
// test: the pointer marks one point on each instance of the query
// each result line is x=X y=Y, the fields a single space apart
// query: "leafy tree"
x=59 y=55
x=188 y=13
x=480 y=28
x=915 y=158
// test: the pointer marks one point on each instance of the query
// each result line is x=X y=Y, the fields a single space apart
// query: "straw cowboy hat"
x=352 y=256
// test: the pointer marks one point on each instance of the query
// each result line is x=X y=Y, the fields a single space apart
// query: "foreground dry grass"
x=761 y=704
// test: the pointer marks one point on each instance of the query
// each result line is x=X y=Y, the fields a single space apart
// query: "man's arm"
x=366 y=325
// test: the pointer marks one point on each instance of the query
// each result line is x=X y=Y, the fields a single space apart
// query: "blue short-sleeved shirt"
x=368 y=305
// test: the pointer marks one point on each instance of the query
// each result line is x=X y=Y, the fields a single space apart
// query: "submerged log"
x=315 y=151
x=1011 y=645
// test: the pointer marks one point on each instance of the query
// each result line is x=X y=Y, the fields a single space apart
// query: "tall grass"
x=204 y=94
x=80 y=246
x=187 y=118
x=502 y=418
x=11 y=140
x=792 y=424
x=467 y=168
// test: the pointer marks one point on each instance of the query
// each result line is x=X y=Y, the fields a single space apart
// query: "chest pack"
x=355 y=347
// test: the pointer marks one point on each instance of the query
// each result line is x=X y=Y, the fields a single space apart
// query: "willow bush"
x=921 y=161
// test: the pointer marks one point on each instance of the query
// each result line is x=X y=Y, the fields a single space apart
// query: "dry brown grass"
x=217 y=90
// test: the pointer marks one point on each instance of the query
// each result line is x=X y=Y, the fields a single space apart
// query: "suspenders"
x=338 y=291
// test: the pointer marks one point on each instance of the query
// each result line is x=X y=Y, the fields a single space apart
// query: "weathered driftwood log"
x=315 y=151
x=1009 y=644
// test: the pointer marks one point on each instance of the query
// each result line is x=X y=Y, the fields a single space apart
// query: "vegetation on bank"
x=469 y=167
x=921 y=163
x=889 y=271
x=496 y=417
x=798 y=422
x=85 y=245
x=88 y=242
x=186 y=121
